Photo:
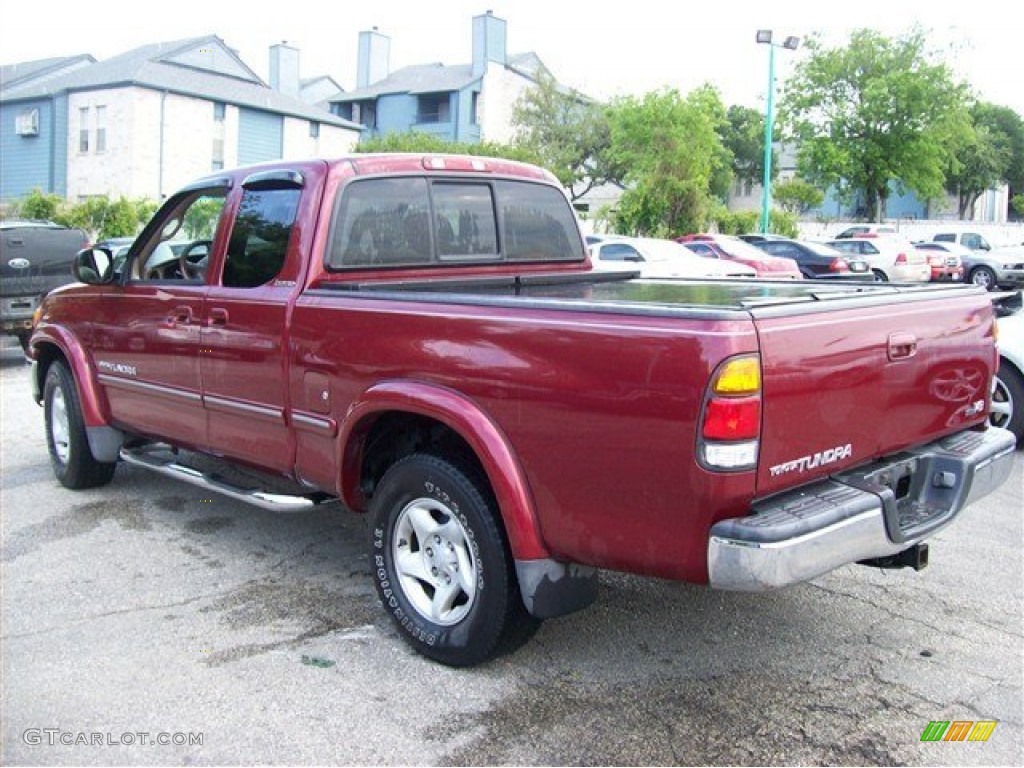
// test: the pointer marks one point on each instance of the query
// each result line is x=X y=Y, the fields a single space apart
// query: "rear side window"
x=259 y=238
x=945 y=238
x=403 y=222
x=619 y=252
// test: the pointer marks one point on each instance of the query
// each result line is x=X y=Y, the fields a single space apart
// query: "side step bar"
x=275 y=502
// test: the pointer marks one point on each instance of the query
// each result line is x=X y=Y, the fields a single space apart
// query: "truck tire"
x=442 y=564
x=1008 y=401
x=72 y=460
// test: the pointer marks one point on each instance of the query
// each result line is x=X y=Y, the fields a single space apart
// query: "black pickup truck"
x=35 y=258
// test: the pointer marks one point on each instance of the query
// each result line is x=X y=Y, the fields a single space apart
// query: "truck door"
x=146 y=334
x=243 y=333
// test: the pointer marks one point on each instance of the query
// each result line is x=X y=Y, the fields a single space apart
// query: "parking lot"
x=147 y=611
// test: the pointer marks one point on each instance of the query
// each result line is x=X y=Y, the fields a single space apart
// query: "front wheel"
x=984 y=277
x=442 y=565
x=1008 y=401
x=70 y=456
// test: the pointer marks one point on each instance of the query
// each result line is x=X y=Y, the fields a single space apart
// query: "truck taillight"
x=731 y=418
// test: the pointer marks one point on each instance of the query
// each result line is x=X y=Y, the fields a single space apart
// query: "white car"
x=1008 y=388
x=656 y=258
x=891 y=258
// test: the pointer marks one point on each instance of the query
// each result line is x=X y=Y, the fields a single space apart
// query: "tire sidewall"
x=1013 y=382
x=57 y=379
x=475 y=636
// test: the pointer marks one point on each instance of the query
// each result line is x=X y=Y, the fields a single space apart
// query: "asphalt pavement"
x=146 y=623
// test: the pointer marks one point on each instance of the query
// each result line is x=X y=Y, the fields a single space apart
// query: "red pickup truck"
x=421 y=338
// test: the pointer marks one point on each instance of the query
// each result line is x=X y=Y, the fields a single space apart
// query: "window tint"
x=945 y=238
x=780 y=249
x=702 y=250
x=464 y=214
x=259 y=239
x=619 y=252
x=382 y=222
x=536 y=223
x=972 y=241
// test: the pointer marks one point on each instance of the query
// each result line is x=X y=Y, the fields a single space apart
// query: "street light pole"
x=769 y=116
x=765 y=36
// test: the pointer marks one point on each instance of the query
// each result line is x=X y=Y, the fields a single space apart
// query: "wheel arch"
x=59 y=345
x=395 y=418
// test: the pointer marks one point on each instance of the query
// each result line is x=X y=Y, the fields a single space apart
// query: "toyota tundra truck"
x=422 y=339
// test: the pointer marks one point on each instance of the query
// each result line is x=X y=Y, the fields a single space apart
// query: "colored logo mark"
x=958 y=730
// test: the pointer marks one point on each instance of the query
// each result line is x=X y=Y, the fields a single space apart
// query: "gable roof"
x=438 y=78
x=199 y=66
x=13 y=75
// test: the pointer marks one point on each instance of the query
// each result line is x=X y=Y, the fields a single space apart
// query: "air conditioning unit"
x=27 y=123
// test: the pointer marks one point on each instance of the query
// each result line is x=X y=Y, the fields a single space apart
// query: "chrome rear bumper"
x=872 y=512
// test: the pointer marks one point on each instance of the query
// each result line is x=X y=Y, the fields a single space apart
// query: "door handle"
x=218 y=317
x=902 y=346
x=181 y=315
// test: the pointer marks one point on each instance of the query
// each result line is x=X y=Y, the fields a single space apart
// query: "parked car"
x=1008 y=387
x=947 y=266
x=35 y=258
x=661 y=258
x=867 y=230
x=891 y=258
x=972 y=240
x=818 y=261
x=997 y=268
x=733 y=249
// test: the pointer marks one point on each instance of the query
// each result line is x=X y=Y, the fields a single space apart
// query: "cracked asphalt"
x=148 y=608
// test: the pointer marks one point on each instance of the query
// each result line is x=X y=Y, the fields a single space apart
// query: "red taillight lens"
x=732 y=418
x=838 y=265
x=901 y=258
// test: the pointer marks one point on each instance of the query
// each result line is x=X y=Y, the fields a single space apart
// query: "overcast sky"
x=603 y=48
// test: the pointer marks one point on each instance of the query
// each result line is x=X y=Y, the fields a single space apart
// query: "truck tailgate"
x=848 y=384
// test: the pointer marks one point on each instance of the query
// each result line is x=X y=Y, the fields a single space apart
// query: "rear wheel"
x=984 y=277
x=880 y=276
x=1008 y=401
x=443 y=568
x=70 y=456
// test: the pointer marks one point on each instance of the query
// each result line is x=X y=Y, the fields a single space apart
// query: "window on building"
x=474 y=110
x=83 y=129
x=748 y=188
x=219 y=110
x=314 y=129
x=434 y=108
x=259 y=239
x=101 y=129
x=217 y=160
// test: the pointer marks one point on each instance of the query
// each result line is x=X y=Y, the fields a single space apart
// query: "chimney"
x=374 y=55
x=284 y=69
x=489 y=35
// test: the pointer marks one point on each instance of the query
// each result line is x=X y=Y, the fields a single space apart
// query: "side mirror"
x=93 y=266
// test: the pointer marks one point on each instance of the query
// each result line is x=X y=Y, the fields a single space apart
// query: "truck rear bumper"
x=872 y=512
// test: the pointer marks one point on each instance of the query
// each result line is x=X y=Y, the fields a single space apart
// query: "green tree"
x=39 y=205
x=991 y=153
x=796 y=196
x=102 y=218
x=1017 y=204
x=876 y=112
x=672 y=150
x=743 y=135
x=417 y=141
x=568 y=133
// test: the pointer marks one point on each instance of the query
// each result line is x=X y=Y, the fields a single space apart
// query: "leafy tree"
x=39 y=205
x=990 y=154
x=569 y=133
x=797 y=196
x=672 y=150
x=743 y=135
x=417 y=141
x=877 y=112
x=1017 y=204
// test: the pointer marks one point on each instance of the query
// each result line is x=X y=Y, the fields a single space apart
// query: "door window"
x=181 y=249
x=260 y=236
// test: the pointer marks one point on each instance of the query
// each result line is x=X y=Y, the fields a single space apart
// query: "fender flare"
x=95 y=408
x=465 y=418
